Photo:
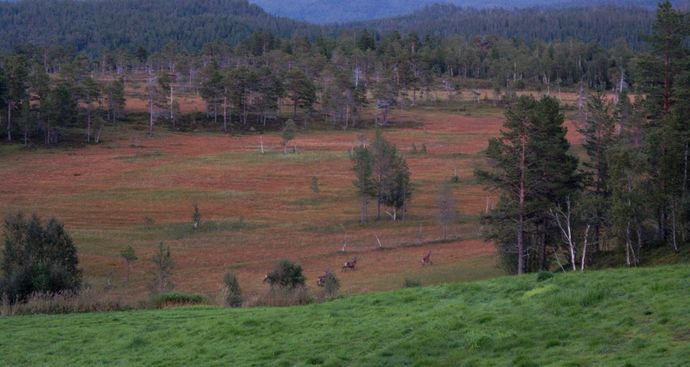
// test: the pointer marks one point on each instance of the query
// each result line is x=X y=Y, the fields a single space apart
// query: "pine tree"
x=129 y=256
x=212 y=89
x=16 y=86
x=659 y=67
x=598 y=133
x=233 y=295
x=533 y=172
x=163 y=266
x=300 y=90
x=115 y=99
x=447 y=211
x=288 y=134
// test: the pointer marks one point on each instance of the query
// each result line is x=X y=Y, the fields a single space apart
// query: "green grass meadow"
x=623 y=317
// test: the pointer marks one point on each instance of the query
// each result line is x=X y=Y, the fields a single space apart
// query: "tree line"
x=47 y=90
x=630 y=192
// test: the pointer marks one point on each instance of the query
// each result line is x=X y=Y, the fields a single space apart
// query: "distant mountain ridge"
x=335 y=11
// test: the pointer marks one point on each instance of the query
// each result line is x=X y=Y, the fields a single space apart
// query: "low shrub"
x=283 y=297
x=411 y=283
x=177 y=299
x=87 y=300
x=331 y=285
x=232 y=292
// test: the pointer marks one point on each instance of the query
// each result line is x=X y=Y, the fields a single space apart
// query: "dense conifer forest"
x=333 y=11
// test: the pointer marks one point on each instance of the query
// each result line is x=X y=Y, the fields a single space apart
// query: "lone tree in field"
x=288 y=133
x=233 y=295
x=196 y=217
x=390 y=177
x=130 y=256
x=383 y=174
x=447 y=211
x=286 y=274
x=37 y=258
x=162 y=270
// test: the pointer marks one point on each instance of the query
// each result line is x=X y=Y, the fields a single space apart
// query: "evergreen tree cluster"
x=381 y=173
x=631 y=192
x=37 y=258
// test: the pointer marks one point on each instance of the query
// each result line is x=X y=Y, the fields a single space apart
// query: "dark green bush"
x=286 y=274
x=37 y=258
x=544 y=275
x=411 y=283
x=233 y=292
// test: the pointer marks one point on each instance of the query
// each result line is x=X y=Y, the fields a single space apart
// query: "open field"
x=624 y=317
x=257 y=208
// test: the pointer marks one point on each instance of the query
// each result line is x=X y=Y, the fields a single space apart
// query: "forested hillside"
x=331 y=11
x=603 y=25
x=96 y=25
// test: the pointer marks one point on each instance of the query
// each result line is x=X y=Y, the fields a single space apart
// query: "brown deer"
x=426 y=260
x=321 y=281
x=350 y=265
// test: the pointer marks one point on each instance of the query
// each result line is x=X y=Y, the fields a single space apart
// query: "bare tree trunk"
x=26 y=132
x=584 y=249
x=628 y=245
x=225 y=114
x=521 y=208
x=363 y=211
x=88 y=124
x=172 y=102
x=97 y=139
x=674 y=226
x=9 y=121
x=151 y=116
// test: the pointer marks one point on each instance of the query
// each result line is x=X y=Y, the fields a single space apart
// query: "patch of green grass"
x=323 y=228
x=178 y=230
x=150 y=195
x=141 y=156
x=607 y=318
x=315 y=200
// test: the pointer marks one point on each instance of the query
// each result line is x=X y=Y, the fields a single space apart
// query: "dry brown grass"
x=87 y=300
x=258 y=208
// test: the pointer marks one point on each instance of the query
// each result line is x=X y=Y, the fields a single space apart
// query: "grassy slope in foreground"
x=610 y=318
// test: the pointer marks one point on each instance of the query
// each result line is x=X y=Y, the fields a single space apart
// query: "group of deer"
x=352 y=265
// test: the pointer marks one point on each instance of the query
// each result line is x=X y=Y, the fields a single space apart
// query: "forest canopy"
x=93 y=26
